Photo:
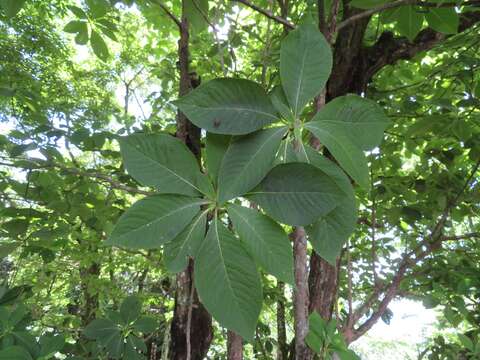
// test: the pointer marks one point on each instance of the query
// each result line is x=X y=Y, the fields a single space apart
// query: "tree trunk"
x=323 y=282
x=191 y=330
x=347 y=77
x=234 y=346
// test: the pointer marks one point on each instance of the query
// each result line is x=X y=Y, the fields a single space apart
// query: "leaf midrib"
x=165 y=168
x=190 y=232
x=230 y=108
x=163 y=217
x=217 y=238
x=235 y=182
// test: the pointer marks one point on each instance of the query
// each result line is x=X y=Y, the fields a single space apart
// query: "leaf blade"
x=227 y=281
x=247 y=161
x=265 y=240
x=349 y=156
x=296 y=194
x=143 y=225
x=163 y=162
x=228 y=106
x=187 y=243
x=305 y=65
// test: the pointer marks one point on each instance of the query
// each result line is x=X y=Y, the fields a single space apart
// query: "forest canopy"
x=237 y=179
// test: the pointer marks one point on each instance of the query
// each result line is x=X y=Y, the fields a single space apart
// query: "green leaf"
x=296 y=194
x=362 y=120
x=390 y=15
x=444 y=20
x=107 y=31
x=108 y=334
x=76 y=26
x=305 y=65
x=7 y=91
x=7 y=249
x=82 y=37
x=51 y=344
x=280 y=102
x=164 y=162
x=216 y=146
x=100 y=329
x=12 y=7
x=409 y=21
x=153 y=221
x=17 y=314
x=347 y=355
x=196 y=11
x=329 y=233
x=130 y=309
x=228 y=106
x=349 y=156
x=265 y=240
x=77 y=11
x=27 y=341
x=316 y=332
x=466 y=341
x=130 y=351
x=98 y=8
x=145 y=324
x=14 y=353
x=187 y=243
x=247 y=161
x=9 y=296
x=99 y=46
x=227 y=281
x=114 y=344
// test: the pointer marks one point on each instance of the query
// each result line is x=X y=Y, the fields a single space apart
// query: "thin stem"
x=267 y=13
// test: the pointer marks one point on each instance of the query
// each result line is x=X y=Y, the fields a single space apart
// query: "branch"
x=389 y=49
x=408 y=260
x=113 y=183
x=474 y=235
x=332 y=20
x=169 y=13
x=267 y=13
x=74 y=171
x=399 y=3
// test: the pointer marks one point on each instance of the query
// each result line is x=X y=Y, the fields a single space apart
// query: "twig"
x=96 y=175
x=169 y=13
x=267 y=13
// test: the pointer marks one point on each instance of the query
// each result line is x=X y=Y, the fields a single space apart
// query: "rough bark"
x=323 y=282
x=191 y=329
x=234 y=346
